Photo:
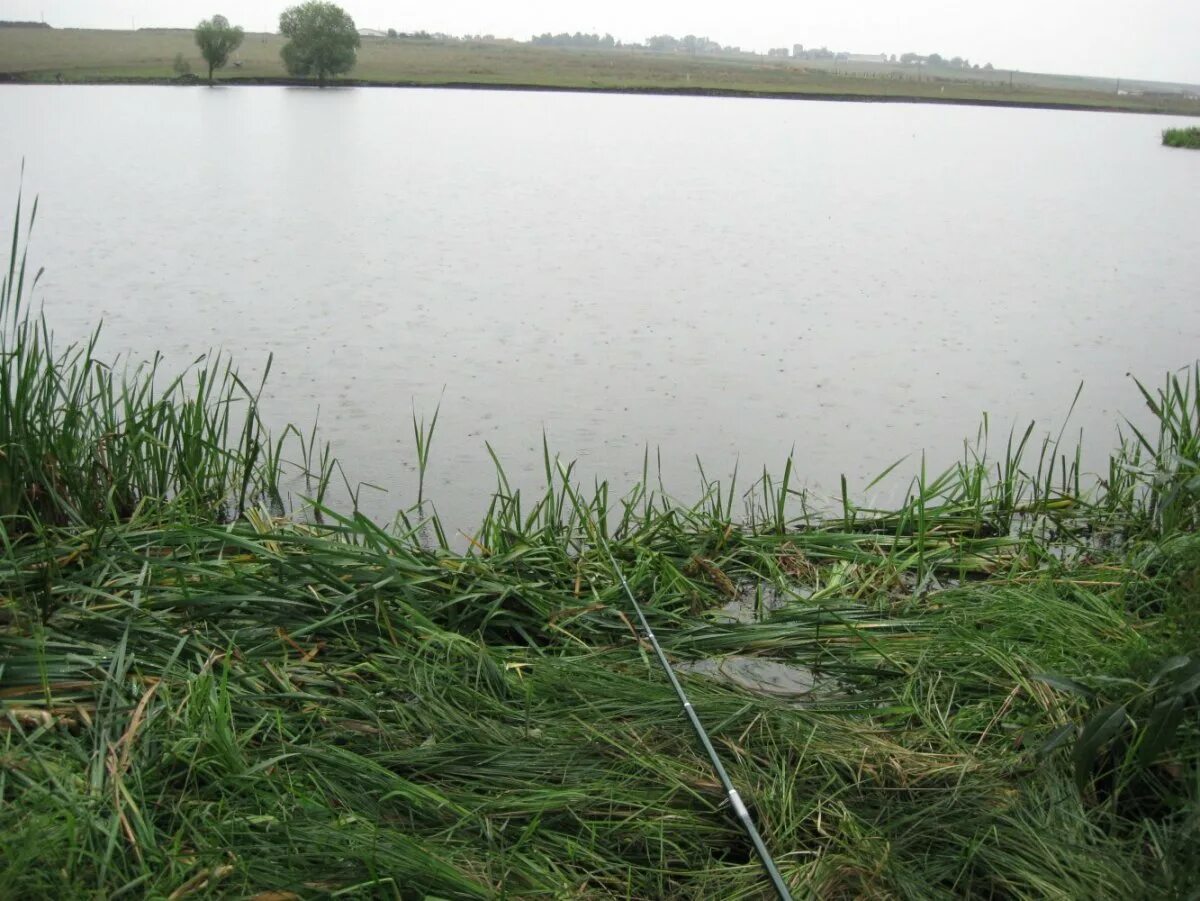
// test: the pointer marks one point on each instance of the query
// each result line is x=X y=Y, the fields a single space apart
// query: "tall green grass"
x=88 y=442
x=1181 y=137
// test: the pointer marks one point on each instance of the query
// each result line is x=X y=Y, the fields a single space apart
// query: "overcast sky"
x=1155 y=39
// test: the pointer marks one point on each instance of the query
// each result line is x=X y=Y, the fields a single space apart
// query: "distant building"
x=866 y=57
x=778 y=51
x=372 y=33
x=821 y=53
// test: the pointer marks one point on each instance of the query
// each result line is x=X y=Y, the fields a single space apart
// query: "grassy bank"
x=1182 y=137
x=77 y=55
x=202 y=698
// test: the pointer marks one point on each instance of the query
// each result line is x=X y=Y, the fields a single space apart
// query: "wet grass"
x=1182 y=137
x=200 y=697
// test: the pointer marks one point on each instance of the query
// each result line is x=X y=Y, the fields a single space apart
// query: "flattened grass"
x=311 y=709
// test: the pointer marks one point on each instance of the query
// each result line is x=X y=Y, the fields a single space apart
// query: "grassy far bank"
x=86 y=55
x=1182 y=137
x=202 y=698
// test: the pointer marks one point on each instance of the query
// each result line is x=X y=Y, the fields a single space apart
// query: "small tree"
x=216 y=39
x=322 y=40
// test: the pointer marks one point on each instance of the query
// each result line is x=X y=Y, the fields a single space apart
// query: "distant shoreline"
x=260 y=81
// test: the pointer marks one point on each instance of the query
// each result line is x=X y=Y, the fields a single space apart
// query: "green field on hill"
x=76 y=55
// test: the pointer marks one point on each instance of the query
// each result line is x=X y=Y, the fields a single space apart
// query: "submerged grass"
x=201 y=697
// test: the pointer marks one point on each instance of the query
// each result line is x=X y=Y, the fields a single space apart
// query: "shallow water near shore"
x=731 y=280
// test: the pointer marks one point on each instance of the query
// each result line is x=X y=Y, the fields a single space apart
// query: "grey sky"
x=1148 y=39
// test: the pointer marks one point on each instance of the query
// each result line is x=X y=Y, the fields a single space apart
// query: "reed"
x=1181 y=137
x=87 y=442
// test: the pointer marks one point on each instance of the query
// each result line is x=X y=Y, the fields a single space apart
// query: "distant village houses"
x=798 y=52
x=697 y=45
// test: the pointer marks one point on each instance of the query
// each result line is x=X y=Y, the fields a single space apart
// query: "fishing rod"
x=735 y=799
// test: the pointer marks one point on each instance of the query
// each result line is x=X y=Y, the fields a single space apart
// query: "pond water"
x=724 y=279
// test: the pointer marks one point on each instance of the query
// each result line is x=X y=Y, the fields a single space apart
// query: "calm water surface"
x=713 y=278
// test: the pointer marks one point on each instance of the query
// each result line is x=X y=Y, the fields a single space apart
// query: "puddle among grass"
x=755 y=601
x=759 y=675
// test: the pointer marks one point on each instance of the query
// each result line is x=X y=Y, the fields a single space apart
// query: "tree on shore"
x=322 y=40
x=216 y=39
